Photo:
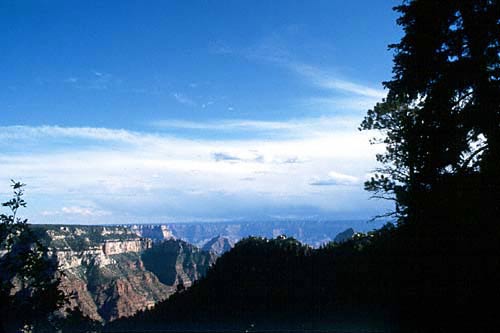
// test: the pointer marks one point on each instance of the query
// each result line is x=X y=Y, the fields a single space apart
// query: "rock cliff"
x=218 y=245
x=111 y=247
x=155 y=232
x=311 y=232
x=104 y=271
x=344 y=236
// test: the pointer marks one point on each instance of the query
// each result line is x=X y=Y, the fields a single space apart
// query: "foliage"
x=274 y=283
x=440 y=124
x=29 y=291
x=76 y=321
x=441 y=118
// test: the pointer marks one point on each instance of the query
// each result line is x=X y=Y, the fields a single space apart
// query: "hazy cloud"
x=76 y=210
x=344 y=92
x=84 y=211
x=291 y=160
x=225 y=157
x=95 y=80
x=335 y=178
x=71 y=80
x=182 y=99
x=133 y=173
x=327 y=80
x=93 y=133
x=251 y=156
x=306 y=127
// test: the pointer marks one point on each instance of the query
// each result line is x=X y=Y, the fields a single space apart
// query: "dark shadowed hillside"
x=407 y=277
x=280 y=283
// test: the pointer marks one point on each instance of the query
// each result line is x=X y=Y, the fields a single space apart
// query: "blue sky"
x=151 y=111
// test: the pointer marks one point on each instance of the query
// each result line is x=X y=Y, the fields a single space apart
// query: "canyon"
x=113 y=271
x=312 y=232
x=110 y=272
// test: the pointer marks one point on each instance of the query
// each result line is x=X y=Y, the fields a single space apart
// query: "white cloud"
x=345 y=93
x=131 y=173
x=84 y=211
x=275 y=50
x=339 y=104
x=306 y=127
x=328 y=81
x=44 y=132
x=335 y=178
x=226 y=125
x=76 y=210
x=250 y=156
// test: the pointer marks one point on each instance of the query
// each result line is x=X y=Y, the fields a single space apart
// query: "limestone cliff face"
x=104 y=271
x=155 y=232
x=111 y=247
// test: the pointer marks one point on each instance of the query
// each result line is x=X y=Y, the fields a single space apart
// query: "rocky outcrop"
x=218 y=245
x=111 y=247
x=155 y=232
x=177 y=262
x=105 y=275
x=76 y=285
x=103 y=294
x=344 y=236
x=69 y=259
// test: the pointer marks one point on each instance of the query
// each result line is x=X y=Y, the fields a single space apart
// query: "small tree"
x=28 y=275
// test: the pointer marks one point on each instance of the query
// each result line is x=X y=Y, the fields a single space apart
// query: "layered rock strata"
x=104 y=272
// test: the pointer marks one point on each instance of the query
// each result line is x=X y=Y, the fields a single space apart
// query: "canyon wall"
x=104 y=272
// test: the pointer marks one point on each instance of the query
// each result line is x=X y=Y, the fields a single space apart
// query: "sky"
x=172 y=111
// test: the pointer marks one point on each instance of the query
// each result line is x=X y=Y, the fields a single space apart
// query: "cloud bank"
x=94 y=175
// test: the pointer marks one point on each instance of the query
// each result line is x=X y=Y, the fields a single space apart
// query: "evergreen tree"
x=440 y=123
x=442 y=113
